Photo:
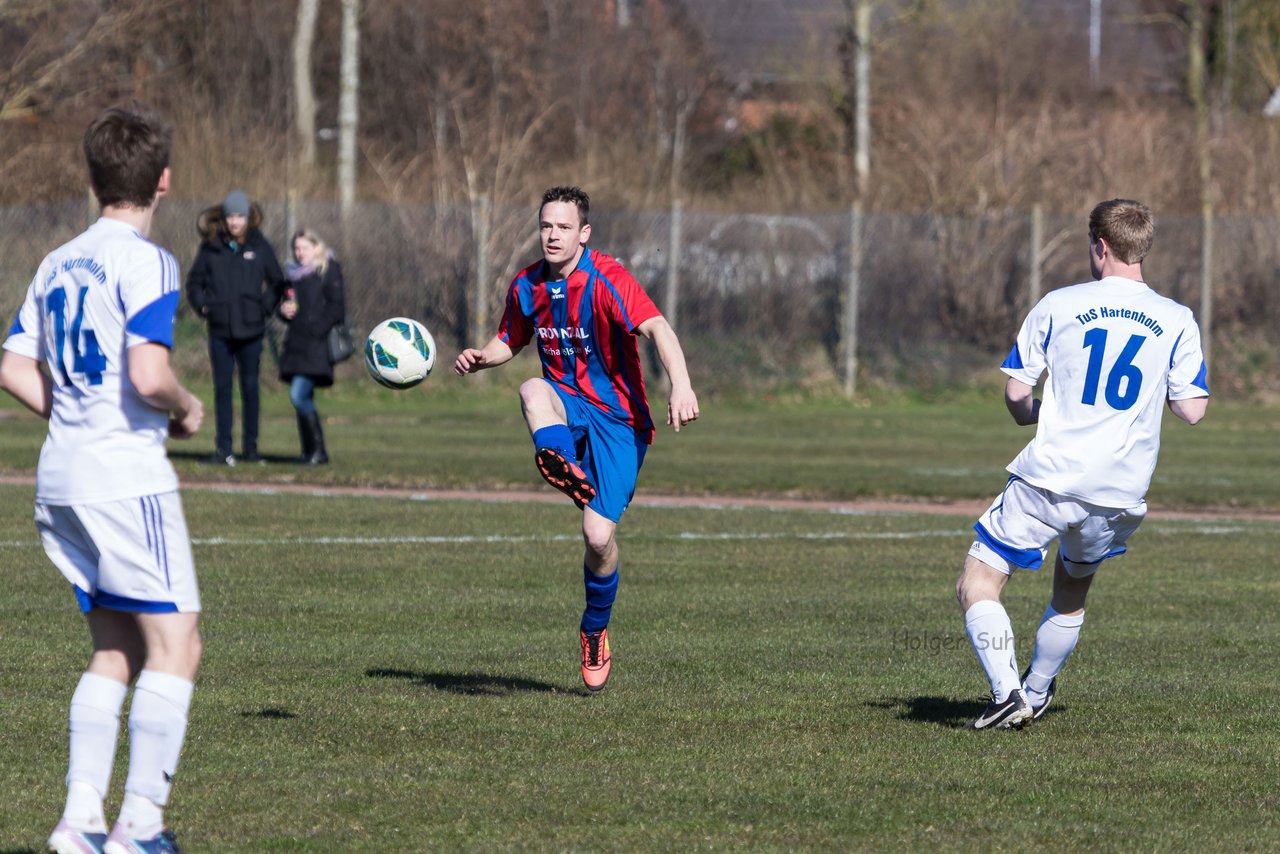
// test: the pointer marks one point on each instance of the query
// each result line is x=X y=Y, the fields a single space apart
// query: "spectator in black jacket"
x=235 y=284
x=314 y=303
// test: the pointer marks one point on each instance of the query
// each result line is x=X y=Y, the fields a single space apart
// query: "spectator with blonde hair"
x=314 y=303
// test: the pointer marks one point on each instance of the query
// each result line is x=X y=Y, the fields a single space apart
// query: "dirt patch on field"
x=971 y=509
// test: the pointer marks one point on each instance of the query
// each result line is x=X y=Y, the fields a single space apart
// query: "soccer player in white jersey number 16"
x=89 y=351
x=1113 y=353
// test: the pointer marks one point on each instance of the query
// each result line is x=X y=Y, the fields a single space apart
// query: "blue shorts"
x=609 y=451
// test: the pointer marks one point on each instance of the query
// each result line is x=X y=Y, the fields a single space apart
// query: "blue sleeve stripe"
x=155 y=322
x=174 y=277
x=1173 y=354
x=1202 y=378
x=164 y=272
x=1014 y=360
x=16 y=327
x=1048 y=334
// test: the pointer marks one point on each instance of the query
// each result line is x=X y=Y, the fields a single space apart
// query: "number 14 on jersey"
x=86 y=358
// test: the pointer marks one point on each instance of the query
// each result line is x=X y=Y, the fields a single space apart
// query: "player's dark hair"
x=1126 y=225
x=127 y=149
x=574 y=195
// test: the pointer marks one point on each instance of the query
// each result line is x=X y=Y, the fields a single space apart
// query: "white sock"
x=95 y=725
x=140 y=817
x=1055 y=639
x=991 y=634
x=157 y=727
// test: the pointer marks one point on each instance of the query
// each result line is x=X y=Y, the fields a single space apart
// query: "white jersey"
x=91 y=300
x=1115 y=351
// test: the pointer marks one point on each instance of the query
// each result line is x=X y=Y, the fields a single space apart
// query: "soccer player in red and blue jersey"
x=588 y=412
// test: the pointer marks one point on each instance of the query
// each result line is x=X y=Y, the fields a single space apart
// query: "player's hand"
x=186 y=425
x=468 y=360
x=681 y=408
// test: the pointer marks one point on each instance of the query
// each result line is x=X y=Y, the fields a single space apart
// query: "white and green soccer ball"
x=399 y=353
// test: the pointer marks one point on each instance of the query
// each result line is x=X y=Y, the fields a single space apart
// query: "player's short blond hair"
x=1127 y=227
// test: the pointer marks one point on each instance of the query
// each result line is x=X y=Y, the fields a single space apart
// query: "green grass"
x=446 y=435
x=784 y=680
x=397 y=674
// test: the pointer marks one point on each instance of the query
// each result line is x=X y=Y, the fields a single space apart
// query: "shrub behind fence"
x=760 y=295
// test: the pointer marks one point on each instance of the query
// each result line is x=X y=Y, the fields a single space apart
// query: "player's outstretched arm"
x=23 y=378
x=1022 y=406
x=682 y=407
x=154 y=381
x=496 y=352
x=1190 y=409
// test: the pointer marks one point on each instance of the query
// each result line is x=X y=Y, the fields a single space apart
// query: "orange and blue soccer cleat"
x=565 y=476
x=596 y=659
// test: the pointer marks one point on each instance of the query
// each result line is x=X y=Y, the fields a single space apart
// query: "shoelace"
x=592 y=645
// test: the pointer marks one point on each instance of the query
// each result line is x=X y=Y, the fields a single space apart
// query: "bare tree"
x=1197 y=89
x=857 y=55
x=304 y=93
x=348 y=107
x=55 y=51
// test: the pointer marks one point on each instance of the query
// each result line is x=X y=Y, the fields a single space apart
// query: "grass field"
x=390 y=673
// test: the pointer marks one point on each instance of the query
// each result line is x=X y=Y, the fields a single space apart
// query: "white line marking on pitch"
x=561 y=538
x=685 y=536
x=427 y=539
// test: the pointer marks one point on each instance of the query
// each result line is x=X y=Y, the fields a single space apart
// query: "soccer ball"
x=399 y=353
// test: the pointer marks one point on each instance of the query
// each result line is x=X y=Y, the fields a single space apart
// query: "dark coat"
x=225 y=285
x=321 y=306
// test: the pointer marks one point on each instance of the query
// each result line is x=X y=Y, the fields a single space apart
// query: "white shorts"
x=1018 y=527
x=128 y=555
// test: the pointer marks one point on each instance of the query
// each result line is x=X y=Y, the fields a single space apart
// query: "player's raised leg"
x=1058 y=633
x=600 y=580
x=157 y=729
x=987 y=624
x=554 y=453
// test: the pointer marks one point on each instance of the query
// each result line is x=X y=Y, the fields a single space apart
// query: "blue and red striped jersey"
x=585 y=328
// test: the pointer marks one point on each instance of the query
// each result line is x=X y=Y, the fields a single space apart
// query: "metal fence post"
x=1037 y=241
x=853 y=286
x=1206 y=279
x=480 y=297
x=675 y=233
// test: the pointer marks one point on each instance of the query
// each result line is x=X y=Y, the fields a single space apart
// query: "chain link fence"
x=761 y=296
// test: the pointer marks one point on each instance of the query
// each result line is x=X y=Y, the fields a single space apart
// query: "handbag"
x=342 y=341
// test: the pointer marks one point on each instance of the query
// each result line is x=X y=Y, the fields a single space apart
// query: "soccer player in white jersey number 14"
x=89 y=351
x=1116 y=353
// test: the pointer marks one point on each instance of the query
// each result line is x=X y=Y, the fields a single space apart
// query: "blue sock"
x=557 y=437
x=600 y=595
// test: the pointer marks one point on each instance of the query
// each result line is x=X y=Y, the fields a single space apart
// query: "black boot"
x=305 y=437
x=317 y=457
